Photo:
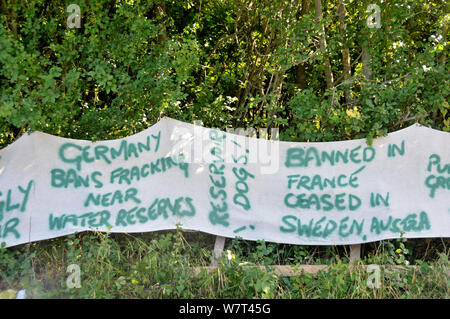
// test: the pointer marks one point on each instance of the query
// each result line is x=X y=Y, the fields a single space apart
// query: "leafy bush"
x=226 y=63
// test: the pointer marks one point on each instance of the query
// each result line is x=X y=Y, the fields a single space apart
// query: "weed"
x=159 y=265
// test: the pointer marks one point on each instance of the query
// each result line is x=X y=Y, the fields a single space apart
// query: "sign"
x=176 y=174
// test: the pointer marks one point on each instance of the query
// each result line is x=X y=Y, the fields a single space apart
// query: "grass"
x=159 y=265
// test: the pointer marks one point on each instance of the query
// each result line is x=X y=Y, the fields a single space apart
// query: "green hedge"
x=228 y=63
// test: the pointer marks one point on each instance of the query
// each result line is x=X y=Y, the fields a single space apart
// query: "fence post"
x=219 y=245
x=355 y=252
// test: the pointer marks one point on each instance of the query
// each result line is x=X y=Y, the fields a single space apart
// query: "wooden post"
x=219 y=245
x=355 y=252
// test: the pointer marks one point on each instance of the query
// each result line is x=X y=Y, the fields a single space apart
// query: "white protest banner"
x=176 y=174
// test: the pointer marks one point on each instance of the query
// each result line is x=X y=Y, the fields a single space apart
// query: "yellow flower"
x=230 y=255
x=134 y=282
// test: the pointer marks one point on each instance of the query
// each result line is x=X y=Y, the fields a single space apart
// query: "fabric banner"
x=176 y=174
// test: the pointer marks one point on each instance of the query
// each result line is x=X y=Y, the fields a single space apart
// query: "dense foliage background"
x=317 y=70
